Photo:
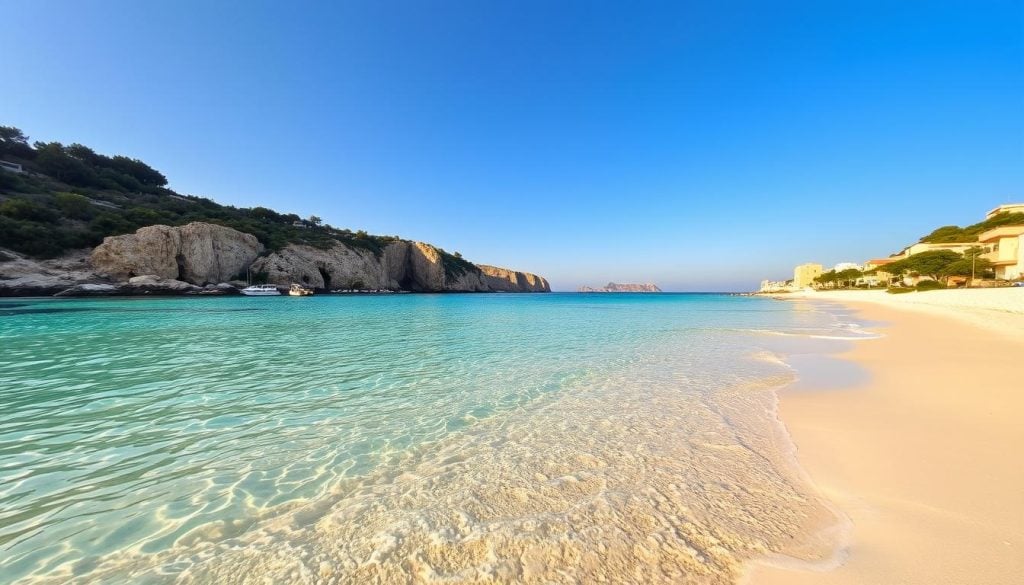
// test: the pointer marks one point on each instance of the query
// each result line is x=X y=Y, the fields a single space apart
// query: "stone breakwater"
x=185 y=259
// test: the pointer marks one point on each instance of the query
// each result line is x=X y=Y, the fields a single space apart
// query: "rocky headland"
x=613 y=287
x=205 y=258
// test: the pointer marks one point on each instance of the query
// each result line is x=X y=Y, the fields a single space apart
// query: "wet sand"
x=925 y=459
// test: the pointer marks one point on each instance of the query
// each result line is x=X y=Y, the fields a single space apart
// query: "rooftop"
x=1014 y=207
x=1001 y=232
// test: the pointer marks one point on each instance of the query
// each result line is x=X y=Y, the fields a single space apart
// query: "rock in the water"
x=197 y=253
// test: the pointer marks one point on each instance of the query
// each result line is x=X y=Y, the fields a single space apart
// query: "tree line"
x=78 y=165
x=938 y=265
x=956 y=234
x=72 y=197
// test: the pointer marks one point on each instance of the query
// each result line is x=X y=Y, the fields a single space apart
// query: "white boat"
x=297 y=290
x=261 y=290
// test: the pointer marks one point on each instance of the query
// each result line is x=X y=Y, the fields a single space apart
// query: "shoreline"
x=661 y=485
x=913 y=459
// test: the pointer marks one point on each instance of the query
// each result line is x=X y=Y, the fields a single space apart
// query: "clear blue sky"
x=702 y=146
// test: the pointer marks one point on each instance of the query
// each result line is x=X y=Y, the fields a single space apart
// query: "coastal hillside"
x=949 y=234
x=622 y=287
x=113 y=218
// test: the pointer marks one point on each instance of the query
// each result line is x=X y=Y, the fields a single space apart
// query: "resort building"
x=804 y=275
x=879 y=277
x=1006 y=208
x=846 y=266
x=958 y=247
x=1005 y=250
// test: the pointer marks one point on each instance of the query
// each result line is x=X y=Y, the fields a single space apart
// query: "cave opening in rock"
x=326 y=276
x=180 y=259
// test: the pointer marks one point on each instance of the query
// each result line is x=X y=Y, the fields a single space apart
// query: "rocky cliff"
x=503 y=279
x=401 y=265
x=23 y=276
x=621 y=287
x=197 y=253
x=162 y=259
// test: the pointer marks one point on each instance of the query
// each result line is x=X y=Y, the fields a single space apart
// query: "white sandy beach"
x=996 y=309
x=924 y=460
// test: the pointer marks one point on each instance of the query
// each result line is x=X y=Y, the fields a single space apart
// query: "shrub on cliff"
x=24 y=209
x=455 y=266
x=74 y=205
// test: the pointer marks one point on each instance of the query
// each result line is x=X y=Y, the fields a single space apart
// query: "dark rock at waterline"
x=151 y=284
x=145 y=285
x=90 y=290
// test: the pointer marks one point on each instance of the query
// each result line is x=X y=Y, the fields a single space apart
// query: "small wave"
x=857 y=336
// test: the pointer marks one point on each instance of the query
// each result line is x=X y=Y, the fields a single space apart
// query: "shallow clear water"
x=371 y=438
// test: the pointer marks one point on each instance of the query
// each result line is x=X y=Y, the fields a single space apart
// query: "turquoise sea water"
x=376 y=438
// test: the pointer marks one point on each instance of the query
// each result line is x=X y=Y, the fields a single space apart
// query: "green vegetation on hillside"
x=941 y=264
x=72 y=197
x=956 y=234
x=455 y=266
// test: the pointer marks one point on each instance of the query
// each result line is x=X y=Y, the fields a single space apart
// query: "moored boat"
x=261 y=290
x=297 y=290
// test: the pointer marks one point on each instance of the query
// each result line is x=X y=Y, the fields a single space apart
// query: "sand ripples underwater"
x=541 y=439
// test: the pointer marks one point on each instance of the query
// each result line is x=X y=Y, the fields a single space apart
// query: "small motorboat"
x=297 y=290
x=261 y=290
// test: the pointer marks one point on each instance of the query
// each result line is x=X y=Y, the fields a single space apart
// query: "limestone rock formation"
x=505 y=280
x=162 y=259
x=619 y=287
x=152 y=284
x=401 y=265
x=197 y=253
x=23 y=276
x=339 y=266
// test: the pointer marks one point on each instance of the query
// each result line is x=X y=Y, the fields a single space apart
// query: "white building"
x=12 y=167
x=775 y=286
x=847 y=266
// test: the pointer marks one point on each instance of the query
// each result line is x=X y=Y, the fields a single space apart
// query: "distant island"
x=76 y=222
x=615 y=287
